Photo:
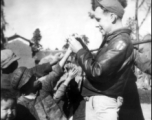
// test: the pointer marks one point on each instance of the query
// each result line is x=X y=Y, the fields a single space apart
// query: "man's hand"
x=74 y=44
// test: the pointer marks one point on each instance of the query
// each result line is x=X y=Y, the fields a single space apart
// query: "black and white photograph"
x=75 y=60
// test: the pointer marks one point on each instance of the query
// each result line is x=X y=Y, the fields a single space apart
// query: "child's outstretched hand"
x=58 y=56
x=69 y=66
x=72 y=74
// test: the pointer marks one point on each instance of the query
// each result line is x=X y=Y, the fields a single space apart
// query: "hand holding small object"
x=74 y=44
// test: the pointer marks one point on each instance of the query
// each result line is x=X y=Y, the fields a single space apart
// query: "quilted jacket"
x=44 y=106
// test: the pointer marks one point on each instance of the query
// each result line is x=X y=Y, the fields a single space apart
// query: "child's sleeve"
x=52 y=78
x=42 y=70
x=60 y=93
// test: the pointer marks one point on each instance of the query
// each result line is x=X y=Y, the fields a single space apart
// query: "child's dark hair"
x=9 y=94
x=11 y=68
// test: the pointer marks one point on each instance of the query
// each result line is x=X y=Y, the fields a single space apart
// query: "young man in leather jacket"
x=110 y=70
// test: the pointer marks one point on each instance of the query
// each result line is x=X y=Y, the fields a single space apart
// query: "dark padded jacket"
x=41 y=70
x=44 y=107
x=111 y=68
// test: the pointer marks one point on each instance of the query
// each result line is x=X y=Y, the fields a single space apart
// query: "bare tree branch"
x=142 y=2
x=148 y=11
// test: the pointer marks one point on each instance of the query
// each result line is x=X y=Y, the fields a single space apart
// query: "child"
x=62 y=89
x=68 y=88
x=9 y=63
x=8 y=99
x=40 y=103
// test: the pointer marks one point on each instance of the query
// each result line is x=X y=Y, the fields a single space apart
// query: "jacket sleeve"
x=41 y=70
x=107 y=62
x=52 y=78
x=142 y=62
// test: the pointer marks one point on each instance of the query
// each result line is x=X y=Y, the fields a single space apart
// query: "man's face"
x=103 y=19
x=8 y=109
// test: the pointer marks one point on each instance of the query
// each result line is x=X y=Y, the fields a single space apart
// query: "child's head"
x=108 y=13
x=9 y=61
x=8 y=104
x=8 y=98
x=32 y=86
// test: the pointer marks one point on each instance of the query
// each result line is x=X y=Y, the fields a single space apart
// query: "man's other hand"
x=74 y=44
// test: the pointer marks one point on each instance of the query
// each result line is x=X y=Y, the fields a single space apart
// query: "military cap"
x=113 y=6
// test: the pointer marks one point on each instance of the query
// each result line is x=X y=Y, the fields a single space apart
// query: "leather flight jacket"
x=110 y=69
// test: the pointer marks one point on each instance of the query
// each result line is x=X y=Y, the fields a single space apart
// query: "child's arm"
x=44 y=69
x=64 y=59
x=49 y=82
x=51 y=59
x=62 y=89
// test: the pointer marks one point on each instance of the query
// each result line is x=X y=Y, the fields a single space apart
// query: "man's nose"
x=91 y=15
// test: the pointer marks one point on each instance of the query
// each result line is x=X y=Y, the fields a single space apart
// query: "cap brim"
x=10 y=62
x=95 y=4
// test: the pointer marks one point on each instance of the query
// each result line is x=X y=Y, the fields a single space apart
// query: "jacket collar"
x=115 y=33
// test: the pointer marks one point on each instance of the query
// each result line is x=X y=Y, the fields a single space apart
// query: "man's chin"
x=102 y=32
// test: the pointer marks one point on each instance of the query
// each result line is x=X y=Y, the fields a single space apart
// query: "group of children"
x=107 y=90
x=35 y=94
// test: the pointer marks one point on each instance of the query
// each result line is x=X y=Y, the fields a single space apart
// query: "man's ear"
x=113 y=18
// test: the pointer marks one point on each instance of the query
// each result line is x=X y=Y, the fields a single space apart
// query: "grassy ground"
x=146 y=111
x=145 y=98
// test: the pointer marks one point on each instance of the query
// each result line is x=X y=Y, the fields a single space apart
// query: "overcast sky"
x=57 y=19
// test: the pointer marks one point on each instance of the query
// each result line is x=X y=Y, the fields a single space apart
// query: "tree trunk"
x=137 y=28
x=142 y=2
x=136 y=19
x=148 y=11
